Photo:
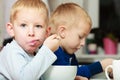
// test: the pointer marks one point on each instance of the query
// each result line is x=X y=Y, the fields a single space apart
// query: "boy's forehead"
x=31 y=12
x=31 y=9
x=29 y=19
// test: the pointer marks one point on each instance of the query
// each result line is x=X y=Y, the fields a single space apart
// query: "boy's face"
x=75 y=37
x=29 y=29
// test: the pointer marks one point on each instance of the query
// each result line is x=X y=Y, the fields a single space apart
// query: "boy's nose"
x=31 y=35
x=31 y=32
x=82 y=43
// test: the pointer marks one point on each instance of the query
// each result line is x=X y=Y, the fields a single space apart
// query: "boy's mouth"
x=33 y=42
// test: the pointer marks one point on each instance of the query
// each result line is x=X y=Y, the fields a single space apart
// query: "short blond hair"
x=68 y=14
x=38 y=5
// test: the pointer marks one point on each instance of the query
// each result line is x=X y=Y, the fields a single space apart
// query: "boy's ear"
x=61 y=31
x=9 y=28
x=48 y=31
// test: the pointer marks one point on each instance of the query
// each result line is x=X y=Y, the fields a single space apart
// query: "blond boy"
x=29 y=55
x=73 y=24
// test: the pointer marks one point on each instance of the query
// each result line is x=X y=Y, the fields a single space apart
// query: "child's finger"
x=55 y=36
x=58 y=37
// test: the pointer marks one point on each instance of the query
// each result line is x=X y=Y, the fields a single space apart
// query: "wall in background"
x=1 y=21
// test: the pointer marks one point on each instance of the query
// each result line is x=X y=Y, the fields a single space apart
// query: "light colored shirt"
x=16 y=64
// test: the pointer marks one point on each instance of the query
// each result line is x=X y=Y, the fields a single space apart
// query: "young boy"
x=22 y=59
x=73 y=24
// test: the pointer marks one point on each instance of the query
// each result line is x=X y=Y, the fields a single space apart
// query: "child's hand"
x=80 y=78
x=52 y=42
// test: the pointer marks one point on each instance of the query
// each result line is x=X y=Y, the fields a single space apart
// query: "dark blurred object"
x=117 y=6
x=111 y=75
x=7 y=40
x=99 y=35
x=91 y=46
x=110 y=17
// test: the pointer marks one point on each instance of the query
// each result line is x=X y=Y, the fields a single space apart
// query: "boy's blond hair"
x=38 y=5
x=68 y=15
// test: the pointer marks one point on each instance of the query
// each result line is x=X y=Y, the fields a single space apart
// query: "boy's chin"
x=71 y=52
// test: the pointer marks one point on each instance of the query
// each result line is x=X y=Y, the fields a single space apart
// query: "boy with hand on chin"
x=73 y=24
x=22 y=59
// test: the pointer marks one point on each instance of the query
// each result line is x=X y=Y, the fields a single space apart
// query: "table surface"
x=100 y=76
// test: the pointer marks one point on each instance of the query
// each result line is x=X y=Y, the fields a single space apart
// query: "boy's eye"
x=80 y=37
x=23 y=25
x=39 y=26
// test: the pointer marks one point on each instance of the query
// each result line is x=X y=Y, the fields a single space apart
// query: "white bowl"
x=60 y=73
